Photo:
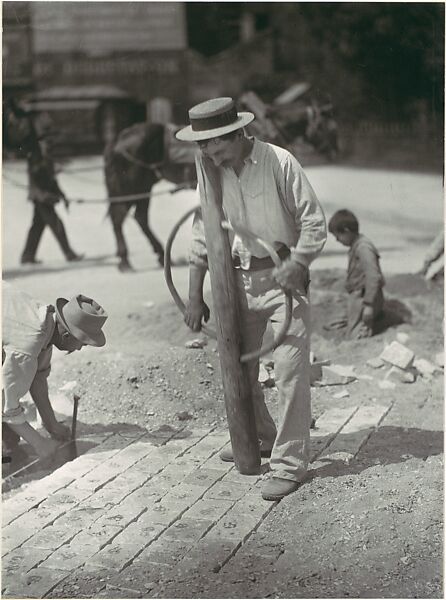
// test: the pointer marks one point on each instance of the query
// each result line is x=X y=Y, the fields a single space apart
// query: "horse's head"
x=322 y=130
x=19 y=132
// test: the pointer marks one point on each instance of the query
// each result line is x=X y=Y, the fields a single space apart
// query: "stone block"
x=122 y=514
x=208 y=509
x=187 y=529
x=425 y=367
x=162 y=514
x=85 y=582
x=226 y=491
x=400 y=375
x=35 y=584
x=68 y=558
x=203 y=477
x=141 y=575
x=95 y=537
x=398 y=355
x=164 y=552
x=139 y=534
x=330 y=376
x=375 y=363
x=185 y=494
x=115 y=556
x=20 y=561
x=50 y=538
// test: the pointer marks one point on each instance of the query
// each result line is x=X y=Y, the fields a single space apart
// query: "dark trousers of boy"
x=45 y=215
x=364 y=286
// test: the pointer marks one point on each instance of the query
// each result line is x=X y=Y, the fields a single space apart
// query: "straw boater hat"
x=83 y=318
x=213 y=118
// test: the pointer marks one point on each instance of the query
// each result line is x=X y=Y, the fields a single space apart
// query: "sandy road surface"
x=371 y=527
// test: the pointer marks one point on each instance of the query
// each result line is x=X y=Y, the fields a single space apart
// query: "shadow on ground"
x=387 y=445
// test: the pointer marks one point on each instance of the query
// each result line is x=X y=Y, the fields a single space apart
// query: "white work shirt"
x=28 y=328
x=274 y=200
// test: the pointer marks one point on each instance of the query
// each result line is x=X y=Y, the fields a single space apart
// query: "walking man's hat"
x=83 y=318
x=213 y=118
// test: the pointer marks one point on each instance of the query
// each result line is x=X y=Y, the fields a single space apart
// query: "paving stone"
x=85 y=582
x=141 y=575
x=208 y=509
x=79 y=466
x=145 y=495
x=18 y=505
x=50 y=538
x=203 y=477
x=68 y=558
x=162 y=514
x=14 y=534
x=354 y=433
x=186 y=529
x=20 y=561
x=375 y=363
x=122 y=514
x=35 y=584
x=115 y=555
x=233 y=526
x=234 y=476
x=210 y=553
x=184 y=494
x=251 y=506
x=214 y=462
x=78 y=518
x=104 y=498
x=95 y=537
x=45 y=515
x=397 y=354
x=226 y=491
x=69 y=497
x=98 y=477
x=328 y=425
x=139 y=534
x=401 y=375
x=162 y=551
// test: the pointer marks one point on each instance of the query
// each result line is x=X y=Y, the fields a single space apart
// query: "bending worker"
x=30 y=330
x=265 y=190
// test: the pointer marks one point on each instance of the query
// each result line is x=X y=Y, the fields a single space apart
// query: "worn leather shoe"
x=276 y=488
x=75 y=257
x=227 y=456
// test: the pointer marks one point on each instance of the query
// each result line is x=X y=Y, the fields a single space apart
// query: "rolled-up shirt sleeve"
x=309 y=216
x=19 y=371
x=198 y=252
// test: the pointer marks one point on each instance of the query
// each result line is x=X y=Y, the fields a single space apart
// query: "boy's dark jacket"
x=364 y=272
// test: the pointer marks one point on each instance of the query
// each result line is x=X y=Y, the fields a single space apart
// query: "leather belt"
x=257 y=264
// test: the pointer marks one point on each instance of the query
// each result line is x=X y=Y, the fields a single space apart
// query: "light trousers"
x=262 y=300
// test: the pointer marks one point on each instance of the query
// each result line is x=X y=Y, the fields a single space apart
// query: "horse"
x=139 y=157
x=314 y=122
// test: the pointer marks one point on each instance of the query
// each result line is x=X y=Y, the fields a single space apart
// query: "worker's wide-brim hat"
x=213 y=118
x=83 y=318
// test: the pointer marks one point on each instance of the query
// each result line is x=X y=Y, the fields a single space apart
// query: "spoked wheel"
x=242 y=232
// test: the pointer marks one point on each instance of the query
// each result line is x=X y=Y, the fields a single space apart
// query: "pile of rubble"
x=403 y=366
x=397 y=359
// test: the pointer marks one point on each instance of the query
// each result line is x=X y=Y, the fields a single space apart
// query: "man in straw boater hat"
x=265 y=190
x=30 y=329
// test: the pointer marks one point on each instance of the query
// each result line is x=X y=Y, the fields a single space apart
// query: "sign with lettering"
x=104 y=28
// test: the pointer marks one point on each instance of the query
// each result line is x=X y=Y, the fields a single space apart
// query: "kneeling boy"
x=364 y=276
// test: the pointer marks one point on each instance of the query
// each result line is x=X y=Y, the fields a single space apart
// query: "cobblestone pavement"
x=136 y=509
